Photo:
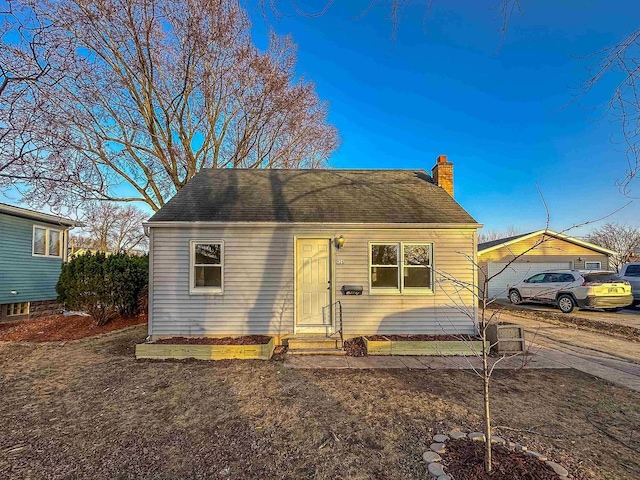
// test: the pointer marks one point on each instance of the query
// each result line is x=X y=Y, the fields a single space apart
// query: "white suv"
x=570 y=289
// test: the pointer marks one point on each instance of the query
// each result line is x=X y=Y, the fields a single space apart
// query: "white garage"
x=515 y=273
x=531 y=253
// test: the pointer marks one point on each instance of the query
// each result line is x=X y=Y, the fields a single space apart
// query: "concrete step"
x=313 y=343
x=317 y=351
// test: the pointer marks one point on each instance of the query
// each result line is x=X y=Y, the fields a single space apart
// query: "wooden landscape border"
x=205 y=352
x=409 y=347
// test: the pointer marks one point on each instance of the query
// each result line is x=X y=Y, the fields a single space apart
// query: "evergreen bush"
x=105 y=286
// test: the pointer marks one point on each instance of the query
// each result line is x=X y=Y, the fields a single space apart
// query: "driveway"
x=629 y=317
x=613 y=359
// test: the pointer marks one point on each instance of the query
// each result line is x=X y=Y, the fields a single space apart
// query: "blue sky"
x=499 y=112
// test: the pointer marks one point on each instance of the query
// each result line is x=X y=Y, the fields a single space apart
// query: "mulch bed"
x=355 y=347
x=246 y=340
x=464 y=460
x=61 y=328
x=422 y=338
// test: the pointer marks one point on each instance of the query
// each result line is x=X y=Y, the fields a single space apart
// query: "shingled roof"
x=312 y=196
x=500 y=241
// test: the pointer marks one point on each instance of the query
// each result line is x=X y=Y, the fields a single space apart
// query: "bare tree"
x=112 y=228
x=490 y=235
x=622 y=239
x=622 y=62
x=154 y=91
x=29 y=46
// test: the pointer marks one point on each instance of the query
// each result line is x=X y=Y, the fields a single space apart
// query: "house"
x=303 y=252
x=33 y=246
x=536 y=252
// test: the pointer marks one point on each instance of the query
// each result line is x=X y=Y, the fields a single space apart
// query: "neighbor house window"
x=401 y=267
x=21 y=308
x=206 y=267
x=47 y=242
x=592 y=265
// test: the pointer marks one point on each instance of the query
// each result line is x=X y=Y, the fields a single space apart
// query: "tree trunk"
x=487 y=414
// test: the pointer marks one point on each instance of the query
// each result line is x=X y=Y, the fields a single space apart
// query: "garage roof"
x=502 y=242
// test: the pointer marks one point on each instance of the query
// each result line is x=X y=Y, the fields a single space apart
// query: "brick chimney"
x=442 y=174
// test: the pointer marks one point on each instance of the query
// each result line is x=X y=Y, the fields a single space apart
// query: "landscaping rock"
x=437 y=447
x=431 y=457
x=521 y=448
x=477 y=437
x=444 y=477
x=539 y=456
x=440 y=438
x=436 y=470
x=457 y=434
x=498 y=440
x=559 y=469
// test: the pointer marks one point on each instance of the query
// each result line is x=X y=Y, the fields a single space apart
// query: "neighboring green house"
x=33 y=247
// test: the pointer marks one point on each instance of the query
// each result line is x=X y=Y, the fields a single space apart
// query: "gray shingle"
x=500 y=241
x=327 y=196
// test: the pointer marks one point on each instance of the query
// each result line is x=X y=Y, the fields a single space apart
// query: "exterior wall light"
x=338 y=241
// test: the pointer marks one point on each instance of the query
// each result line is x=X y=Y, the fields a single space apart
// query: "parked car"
x=631 y=273
x=571 y=289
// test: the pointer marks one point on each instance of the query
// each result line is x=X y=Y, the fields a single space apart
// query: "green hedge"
x=105 y=286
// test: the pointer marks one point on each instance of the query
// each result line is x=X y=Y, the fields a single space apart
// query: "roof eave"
x=170 y=223
x=42 y=217
x=551 y=233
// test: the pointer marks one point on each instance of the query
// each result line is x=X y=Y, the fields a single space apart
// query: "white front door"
x=313 y=284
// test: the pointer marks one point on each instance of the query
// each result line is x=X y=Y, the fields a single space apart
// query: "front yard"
x=87 y=409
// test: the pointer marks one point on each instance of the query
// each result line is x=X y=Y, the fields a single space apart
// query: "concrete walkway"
x=550 y=346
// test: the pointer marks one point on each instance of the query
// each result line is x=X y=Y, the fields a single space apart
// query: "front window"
x=592 y=265
x=206 y=267
x=401 y=268
x=384 y=266
x=47 y=242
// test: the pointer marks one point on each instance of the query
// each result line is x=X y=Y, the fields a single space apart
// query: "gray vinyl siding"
x=259 y=282
x=34 y=278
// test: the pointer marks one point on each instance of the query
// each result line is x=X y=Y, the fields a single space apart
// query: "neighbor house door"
x=313 y=284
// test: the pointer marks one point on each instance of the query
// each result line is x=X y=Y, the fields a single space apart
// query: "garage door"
x=516 y=272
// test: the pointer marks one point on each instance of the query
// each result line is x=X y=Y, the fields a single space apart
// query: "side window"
x=567 y=278
x=39 y=241
x=551 y=278
x=537 y=278
x=206 y=267
x=47 y=242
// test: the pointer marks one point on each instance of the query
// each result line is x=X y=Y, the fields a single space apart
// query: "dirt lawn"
x=87 y=409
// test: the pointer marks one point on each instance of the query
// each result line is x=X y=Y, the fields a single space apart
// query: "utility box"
x=506 y=337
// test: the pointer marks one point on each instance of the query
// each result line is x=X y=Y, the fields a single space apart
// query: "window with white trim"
x=47 y=242
x=592 y=265
x=206 y=270
x=399 y=268
x=21 y=308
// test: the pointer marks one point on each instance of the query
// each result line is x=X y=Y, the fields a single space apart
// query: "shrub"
x=104 y=286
